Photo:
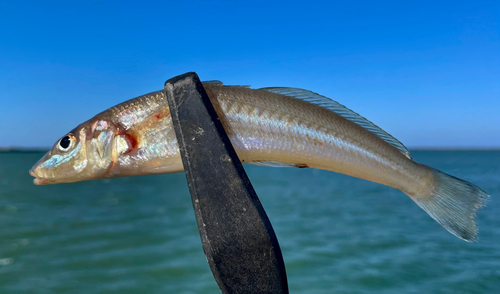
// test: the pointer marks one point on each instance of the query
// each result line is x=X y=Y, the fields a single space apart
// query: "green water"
x=338 y=234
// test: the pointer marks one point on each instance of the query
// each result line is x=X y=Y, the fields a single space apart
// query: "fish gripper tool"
x=237 y=236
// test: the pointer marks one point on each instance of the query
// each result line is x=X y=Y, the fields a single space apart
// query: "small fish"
x=285 y=127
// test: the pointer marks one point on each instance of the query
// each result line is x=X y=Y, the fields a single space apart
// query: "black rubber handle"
x=237 y=237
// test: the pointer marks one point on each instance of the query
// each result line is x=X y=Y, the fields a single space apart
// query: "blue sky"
x=428 y=72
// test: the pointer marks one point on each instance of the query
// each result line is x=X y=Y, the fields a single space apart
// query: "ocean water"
x=338 y=234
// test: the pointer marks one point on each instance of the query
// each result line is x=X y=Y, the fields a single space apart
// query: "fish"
x=275 y=126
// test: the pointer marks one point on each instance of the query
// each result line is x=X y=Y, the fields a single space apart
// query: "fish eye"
x=65 y=142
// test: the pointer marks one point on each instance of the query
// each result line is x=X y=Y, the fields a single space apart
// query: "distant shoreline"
x=454 y=149
x=23 y=149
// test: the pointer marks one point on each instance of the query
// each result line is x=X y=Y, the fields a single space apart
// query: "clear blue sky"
x=428 y=72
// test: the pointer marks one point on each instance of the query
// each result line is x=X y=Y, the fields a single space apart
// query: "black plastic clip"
x=237 y=237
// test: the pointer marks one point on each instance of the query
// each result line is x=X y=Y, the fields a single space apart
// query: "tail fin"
x=453 y=203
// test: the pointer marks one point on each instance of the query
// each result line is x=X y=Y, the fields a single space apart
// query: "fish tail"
x=453 y=203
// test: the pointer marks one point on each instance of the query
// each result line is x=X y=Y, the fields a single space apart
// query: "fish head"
x=85 y=153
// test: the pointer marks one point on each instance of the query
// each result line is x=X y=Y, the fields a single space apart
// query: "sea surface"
x=338 y=234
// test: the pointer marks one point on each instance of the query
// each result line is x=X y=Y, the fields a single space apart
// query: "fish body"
x=270 y=126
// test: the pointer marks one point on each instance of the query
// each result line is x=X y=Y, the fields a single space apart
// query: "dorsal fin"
x=341 y=110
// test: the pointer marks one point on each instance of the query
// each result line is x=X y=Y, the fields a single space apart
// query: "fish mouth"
x=41 y=181
x=38 y=180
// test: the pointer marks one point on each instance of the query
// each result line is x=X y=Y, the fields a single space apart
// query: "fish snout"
x=39 y=177
x=32 y=172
